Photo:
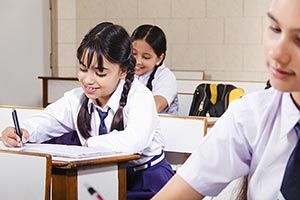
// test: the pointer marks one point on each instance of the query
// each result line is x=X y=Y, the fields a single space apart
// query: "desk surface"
x=93 y=161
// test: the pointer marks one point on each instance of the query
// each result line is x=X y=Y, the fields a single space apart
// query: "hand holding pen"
x=14 y=136
x=17 y=126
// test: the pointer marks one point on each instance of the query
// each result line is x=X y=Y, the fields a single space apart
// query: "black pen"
x=17 y=126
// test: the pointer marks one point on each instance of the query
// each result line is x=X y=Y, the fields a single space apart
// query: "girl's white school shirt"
x=255 y=135
x=164 y=84
x=141 y=134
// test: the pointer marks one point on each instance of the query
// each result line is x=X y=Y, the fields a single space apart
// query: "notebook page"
x=68 y=151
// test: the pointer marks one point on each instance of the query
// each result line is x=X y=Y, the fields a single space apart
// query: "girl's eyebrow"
x=80 y=62
x=147 y=54
x=102 y=68
x=272 y=17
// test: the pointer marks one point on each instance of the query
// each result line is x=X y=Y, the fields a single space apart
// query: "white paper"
x=67 y=151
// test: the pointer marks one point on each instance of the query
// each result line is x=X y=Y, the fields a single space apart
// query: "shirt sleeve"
x=223 y=155
x=164 y=84
x=55 y=120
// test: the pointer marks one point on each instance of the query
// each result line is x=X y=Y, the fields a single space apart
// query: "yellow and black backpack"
x=211 y=100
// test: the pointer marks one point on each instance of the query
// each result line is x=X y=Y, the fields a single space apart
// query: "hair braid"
x=84 y=119
x=117 y=122
x=149 y=82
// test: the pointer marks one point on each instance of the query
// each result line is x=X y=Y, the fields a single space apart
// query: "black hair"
x=156 y=38
x=268 y=84
x=112 y=42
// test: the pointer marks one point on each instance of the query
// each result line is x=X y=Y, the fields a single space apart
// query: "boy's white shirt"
x=255 y=135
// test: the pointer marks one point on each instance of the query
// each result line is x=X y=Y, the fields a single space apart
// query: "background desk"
x=106 y=175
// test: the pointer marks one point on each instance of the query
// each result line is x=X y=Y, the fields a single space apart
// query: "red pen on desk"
x=93 y=192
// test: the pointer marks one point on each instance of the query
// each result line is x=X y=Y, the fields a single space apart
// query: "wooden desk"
x=55 y=87
x=24 y=175
x=106 y=175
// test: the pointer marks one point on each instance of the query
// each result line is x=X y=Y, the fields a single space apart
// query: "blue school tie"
x=290 y=187
x=102 y=127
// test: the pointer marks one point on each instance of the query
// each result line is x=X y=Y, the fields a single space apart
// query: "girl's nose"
x=280 y=51
x=89 y=78
x=138 y=60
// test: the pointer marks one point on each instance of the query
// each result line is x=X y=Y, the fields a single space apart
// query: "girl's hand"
x=11 y=139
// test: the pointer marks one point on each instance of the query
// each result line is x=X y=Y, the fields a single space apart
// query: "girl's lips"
x=90 y=89
x=280 y=74
x=138 y=68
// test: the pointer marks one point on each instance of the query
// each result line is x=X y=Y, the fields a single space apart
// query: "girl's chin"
x=283 y=86
x=91 y=96
x=138 y=72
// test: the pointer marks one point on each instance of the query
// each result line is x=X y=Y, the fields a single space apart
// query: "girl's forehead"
x=142 y=45
x=90 y=60
x=287 y=12
x=105 y=63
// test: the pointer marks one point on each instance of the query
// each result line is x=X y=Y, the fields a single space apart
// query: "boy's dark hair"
x=112 y=42
x=156 y=38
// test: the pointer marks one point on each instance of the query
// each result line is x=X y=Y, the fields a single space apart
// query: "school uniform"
x=141 y=132
x=164 y=84
x=254 y=136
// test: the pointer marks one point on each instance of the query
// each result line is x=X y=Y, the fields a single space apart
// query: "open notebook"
x=66 y=151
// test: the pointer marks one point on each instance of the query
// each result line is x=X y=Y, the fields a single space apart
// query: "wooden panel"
x=23 y=113
x=24 y=175
x=64 y=184
x=188 y=75
x=182 y=134
x=122 y=181
x=185 y=101
x=55 y=87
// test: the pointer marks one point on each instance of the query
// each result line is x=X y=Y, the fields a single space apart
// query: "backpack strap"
x=236 y=93
x=214 y=93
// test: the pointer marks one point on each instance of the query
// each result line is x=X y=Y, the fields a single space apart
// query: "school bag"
x=211 y=100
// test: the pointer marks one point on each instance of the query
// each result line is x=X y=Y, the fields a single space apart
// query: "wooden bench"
x=188 y=75
x=23 y=113
x=25 y=175
x=55 y=87
x=181 y=135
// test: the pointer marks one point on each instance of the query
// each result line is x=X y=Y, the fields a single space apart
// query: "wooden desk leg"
x=64 y=184
x=122 y=181
x=45 y=92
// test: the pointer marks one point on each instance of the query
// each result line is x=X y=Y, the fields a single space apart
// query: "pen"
x=17 y=127
x=93 y=192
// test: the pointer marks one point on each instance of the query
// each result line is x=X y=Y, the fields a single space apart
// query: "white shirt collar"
x=111 y=102
x=288 y=109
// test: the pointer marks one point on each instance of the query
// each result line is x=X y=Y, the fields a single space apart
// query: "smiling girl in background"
x=149 y=49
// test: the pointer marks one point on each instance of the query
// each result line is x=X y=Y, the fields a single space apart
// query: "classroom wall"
x=24 y=51
x=222 y=37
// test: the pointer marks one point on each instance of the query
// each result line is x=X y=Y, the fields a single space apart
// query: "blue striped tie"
x=290 y=187
x=102 y=127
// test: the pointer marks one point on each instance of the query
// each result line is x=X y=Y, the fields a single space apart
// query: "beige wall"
x=221 y=37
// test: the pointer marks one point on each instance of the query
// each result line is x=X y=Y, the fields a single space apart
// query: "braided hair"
x=156 y=38
x=112 y=42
